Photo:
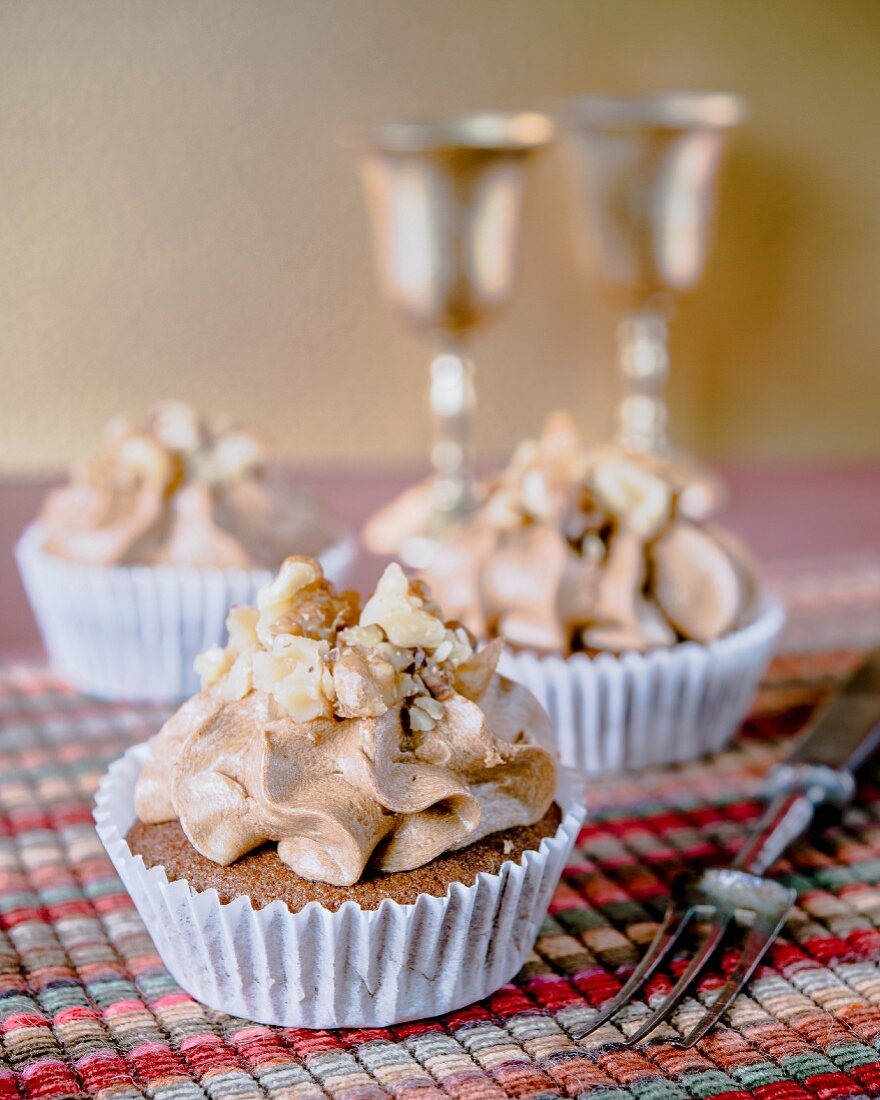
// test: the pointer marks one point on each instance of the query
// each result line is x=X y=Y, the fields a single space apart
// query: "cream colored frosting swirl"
x=179 y=490
x=351 y=738
x=594 y=549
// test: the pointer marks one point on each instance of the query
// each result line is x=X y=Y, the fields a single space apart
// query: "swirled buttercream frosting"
x=592 y=549
x=349 y=736
x=179 y=489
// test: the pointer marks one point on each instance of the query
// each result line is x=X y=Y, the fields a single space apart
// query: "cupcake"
x=131 y=566
x=639 y=624
x=357 y=821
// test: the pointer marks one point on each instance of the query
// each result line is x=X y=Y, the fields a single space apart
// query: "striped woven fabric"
x=87 y=1008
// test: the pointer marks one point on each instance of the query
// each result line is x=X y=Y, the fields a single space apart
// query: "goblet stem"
x=452 y=399
x=643 y=361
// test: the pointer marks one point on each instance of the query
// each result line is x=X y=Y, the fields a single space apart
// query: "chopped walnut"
x=241 y=622
x=307 y=646
x=143 y=460
x=177 y=427
x=400 y=612
x=239 y=680
x=276 y=598
x=172 y=447
x=293 y=674
x=235 y=455
x=365 y=687
x=641 y=501
x=438 y=681
x=504 y=509
x=420 y=590
x=317 y=611
x=366 y=636
x=213 y=664
x=424 y=713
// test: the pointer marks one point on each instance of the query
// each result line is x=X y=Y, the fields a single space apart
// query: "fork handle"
x=793 y=791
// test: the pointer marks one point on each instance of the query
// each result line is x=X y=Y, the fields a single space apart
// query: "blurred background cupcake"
x=132 y=565
x=640 y=625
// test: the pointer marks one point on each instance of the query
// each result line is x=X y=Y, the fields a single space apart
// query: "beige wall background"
x=176 y=219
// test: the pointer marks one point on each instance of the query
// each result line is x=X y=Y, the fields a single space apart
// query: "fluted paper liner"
x=615 y=713
x=350 y=968
x=133 y=631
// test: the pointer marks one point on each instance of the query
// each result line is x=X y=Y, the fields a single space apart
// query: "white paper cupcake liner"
x=133 y=631
x=349 y=968
x=637 y=710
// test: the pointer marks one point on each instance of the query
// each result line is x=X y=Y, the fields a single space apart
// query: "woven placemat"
x=87 y=1008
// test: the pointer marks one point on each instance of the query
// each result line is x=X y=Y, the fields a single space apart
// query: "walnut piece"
x=364 y=688
x=401 y=614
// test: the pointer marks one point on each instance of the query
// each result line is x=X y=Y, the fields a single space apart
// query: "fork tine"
x=672 y=1000
x=671 y=927
x=759 y=938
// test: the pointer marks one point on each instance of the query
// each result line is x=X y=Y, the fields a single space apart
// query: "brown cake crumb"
x=264 y=878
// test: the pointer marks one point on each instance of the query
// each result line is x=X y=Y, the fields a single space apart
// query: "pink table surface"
x=784 y=513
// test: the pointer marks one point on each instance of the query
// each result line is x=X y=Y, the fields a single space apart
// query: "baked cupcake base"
x=352 y=967
x=264 y=878
x=615 y=713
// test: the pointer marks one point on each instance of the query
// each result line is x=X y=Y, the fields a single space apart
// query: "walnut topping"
x=364 y=684
x=577 y=547
x=235 y=454
x=537 y=481
x=241 y=622
x=177 y=427
x=317 y=611
x=276 y=598
x=641 y=500
x=401 y=613
x=214 y=663
x=173 y=445
x=310 y=649
x=178 y=488
x=424 y=713
x=141 y=459
x=293 y=674
x=503 y=509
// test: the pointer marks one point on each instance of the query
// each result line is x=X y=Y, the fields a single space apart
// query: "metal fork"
x=818 y=772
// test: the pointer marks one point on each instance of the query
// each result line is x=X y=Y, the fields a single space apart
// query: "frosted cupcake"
x=132 y=565
x=356 y=822
x=640 y=626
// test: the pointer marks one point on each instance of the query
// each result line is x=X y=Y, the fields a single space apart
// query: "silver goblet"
x=445 y=199
x=645 y=173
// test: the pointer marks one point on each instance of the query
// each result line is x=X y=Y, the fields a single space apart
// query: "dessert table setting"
x=549 y=780
x=89 y=1009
